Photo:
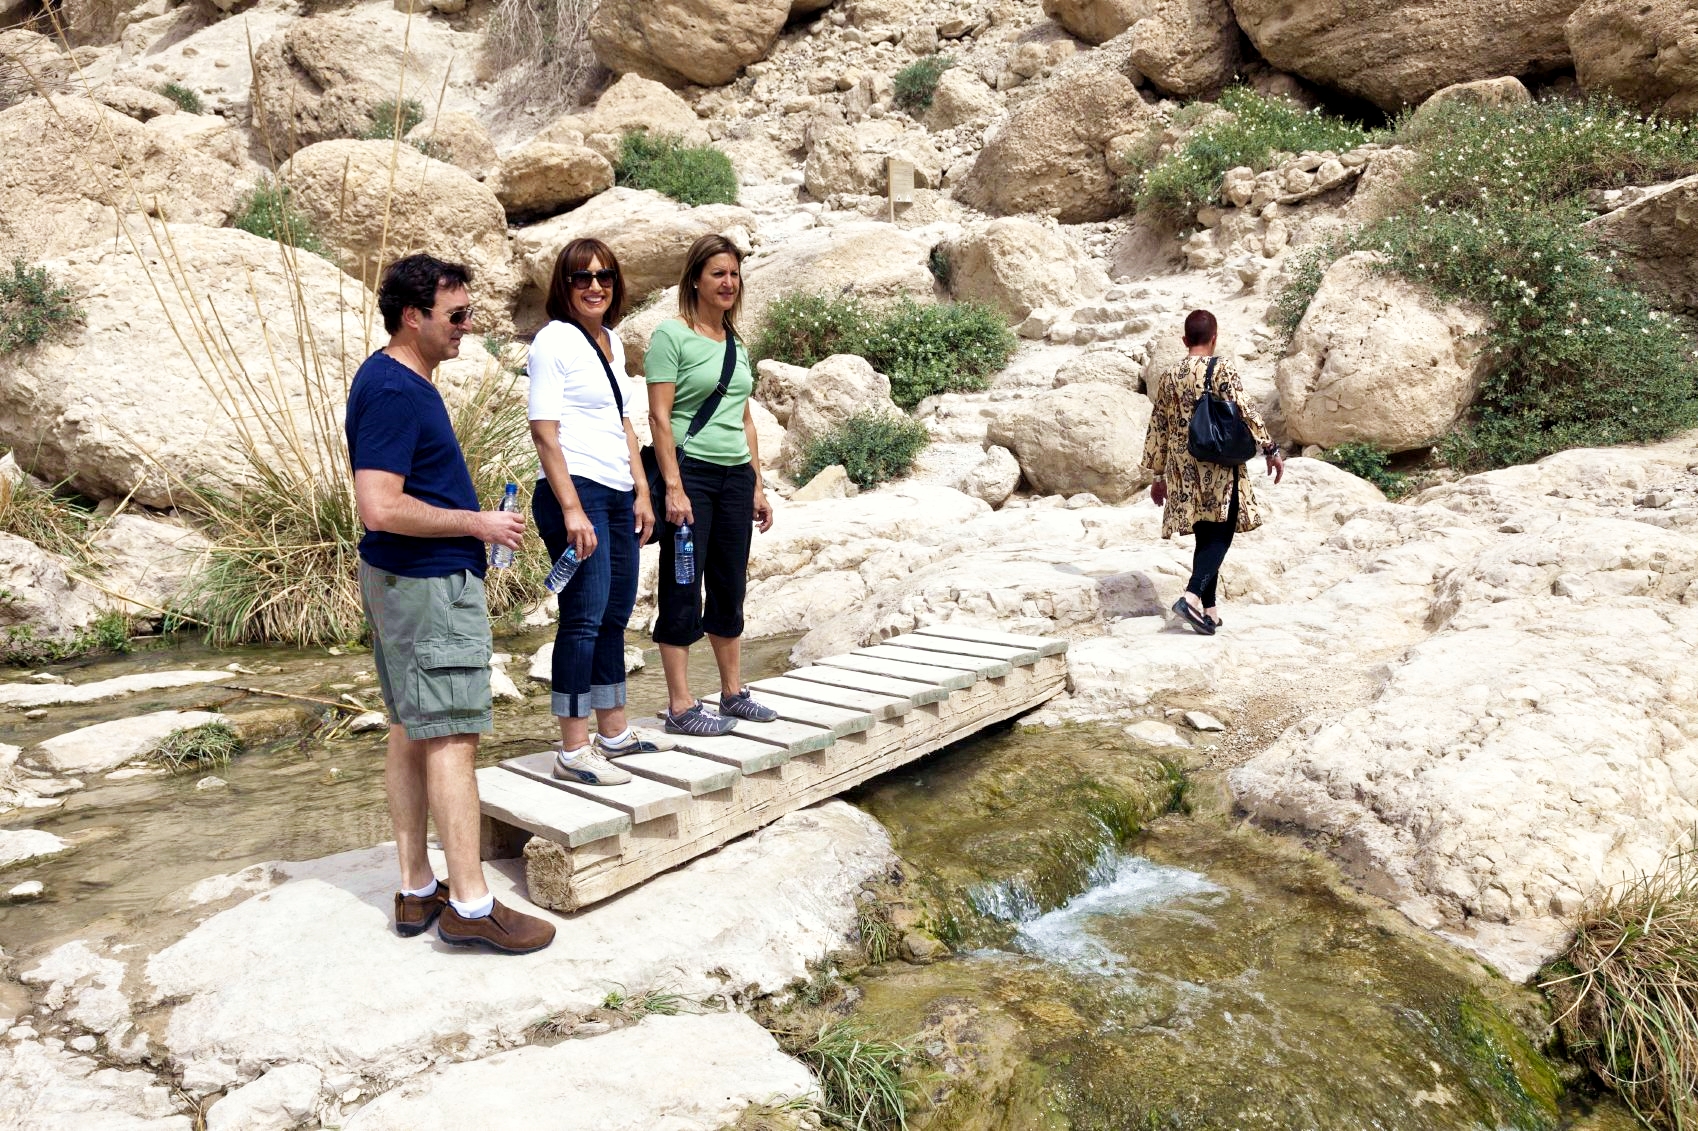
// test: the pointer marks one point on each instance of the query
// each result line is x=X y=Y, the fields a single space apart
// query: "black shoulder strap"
x=1209 y=376
x=606 y=367
x=711 y=405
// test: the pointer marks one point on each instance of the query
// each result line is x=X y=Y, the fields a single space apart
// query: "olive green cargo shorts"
x=430 y=641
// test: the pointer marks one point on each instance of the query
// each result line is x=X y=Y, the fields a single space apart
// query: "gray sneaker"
x=588 y=768
x=743 y=706
x=697 y=722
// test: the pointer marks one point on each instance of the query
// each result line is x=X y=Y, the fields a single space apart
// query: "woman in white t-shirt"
x=592 y=497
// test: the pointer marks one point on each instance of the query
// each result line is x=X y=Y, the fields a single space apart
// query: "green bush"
x=389 y=120
x=873 y=447
x=924 y=348
x=1577 y=358
x=33 y=306
x=185 y=98
x=915 y=84
x=1369 y=461
x=1259 y=127
x=267 y=212
x=691 y=174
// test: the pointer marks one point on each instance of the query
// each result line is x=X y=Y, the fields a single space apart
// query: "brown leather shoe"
x=415 y=913
x=503 y=929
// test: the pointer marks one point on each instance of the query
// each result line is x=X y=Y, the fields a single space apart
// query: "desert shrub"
x=390 y=119
x=54 y=523
x=1259 y=127
x=1577 y=358
x=1627 y=992
x=691 y=174
x=267 y=212
x=33 y=307
x=914 y=85
x=185 y=98
x=938 y=263
x=872 y=447
x=191 y=749
x=1370 y=462
x=924 y=348
x=541 y=50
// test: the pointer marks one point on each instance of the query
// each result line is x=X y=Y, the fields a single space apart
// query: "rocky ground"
x=1479 y=699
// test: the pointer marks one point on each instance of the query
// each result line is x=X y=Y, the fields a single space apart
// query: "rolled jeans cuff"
x=601 y=697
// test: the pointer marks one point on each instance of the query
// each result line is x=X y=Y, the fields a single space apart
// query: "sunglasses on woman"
x=604 y=278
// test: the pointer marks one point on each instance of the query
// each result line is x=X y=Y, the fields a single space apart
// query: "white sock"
x=572 y=755
x=473 y=910
x=624 y=738
x=424 y=892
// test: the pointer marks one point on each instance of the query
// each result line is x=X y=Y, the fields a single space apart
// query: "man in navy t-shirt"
x=421 y=581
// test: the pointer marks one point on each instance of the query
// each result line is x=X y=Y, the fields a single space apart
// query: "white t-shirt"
x=569 y=385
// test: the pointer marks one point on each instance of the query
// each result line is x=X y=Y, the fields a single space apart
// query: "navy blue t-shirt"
x=397 y=422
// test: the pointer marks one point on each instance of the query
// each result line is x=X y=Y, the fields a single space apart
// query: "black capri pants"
x=723 y=499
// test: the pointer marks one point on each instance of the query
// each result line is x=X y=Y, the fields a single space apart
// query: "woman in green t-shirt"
x=713 y=484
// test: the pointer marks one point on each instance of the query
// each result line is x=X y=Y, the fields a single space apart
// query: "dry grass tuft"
x=55 y=524
x=541 y=49
x=1628 y=990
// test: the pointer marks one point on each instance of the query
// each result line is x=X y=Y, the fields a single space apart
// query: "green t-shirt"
x=677 y=355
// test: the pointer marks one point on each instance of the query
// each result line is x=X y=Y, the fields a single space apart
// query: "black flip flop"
x=1200 y=623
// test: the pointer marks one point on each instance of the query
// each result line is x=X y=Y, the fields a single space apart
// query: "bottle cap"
x=512 y=488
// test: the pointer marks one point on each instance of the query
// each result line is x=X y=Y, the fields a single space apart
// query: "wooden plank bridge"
x=842 y=721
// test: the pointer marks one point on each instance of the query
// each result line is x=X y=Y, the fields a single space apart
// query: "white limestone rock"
x=283 y=1099
x=106 y=746
x=839 y=387
x=1017 y=266
x=47 y=1089
x=1086 y=437
x=18 y=846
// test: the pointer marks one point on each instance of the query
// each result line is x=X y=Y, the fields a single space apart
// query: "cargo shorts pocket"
x=453 y=678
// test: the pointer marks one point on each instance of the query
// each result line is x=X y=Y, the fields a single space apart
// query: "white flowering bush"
x=1259 y=127
x=1577 y=357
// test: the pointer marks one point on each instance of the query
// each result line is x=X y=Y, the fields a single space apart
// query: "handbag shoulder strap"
x=711 y=405
x=1209 y=376
x=606 y=367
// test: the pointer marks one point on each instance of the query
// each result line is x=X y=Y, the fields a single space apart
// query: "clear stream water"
x=1115 y=968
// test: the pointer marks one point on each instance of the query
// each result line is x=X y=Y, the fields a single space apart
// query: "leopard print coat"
x=1198 y=492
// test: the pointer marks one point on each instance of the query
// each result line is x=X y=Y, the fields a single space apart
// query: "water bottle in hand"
x=684 y=555
x=564 y=567
x=500 y=557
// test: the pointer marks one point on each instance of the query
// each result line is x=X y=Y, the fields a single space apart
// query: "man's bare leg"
x=449 y=765
x=728 y=654
x=404 y=784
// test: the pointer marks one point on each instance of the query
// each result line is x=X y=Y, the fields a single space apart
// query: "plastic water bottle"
x=564 y=567
x=684 y=555
x=500 y=557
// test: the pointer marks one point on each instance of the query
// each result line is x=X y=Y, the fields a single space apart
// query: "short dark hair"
x=413 y=281
x=1200 y=328
x=577 y=256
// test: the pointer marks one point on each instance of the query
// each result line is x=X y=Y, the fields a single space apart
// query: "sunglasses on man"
x=455 y=317
x=604 y=278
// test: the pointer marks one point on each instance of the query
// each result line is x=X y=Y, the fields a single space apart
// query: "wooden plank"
x=682 y=771
x=1018 y=656
x=798 y=738
x=1045 y=645
x=749 y=756
x=917 y=694
x=642 y=798
x=836 y=721
x=552 y=813
x=983 y=667
x=834 y=697
x=949 y=679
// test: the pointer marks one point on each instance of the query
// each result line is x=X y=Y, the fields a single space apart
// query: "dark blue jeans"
x=589 y=644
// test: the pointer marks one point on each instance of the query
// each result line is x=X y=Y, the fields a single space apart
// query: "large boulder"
x=46 y=604
x=1017 y=265
x=679 y=42
x=546 y=177
x=1396 y=54
x=1096 y=21
x=1377 y=360
x=962 y=98
x=68 y=418
x=853 y=159
x=321 y=79
x=1645 y=52
x=634 y=103
x=1186 y=47
x=1658 y=237
x=1051 y=155
x=375 y=202
x=69 y=168
x=650 y=233
x=837 y=388
x=1085 y=437
x=145 y=563
x=460 y=139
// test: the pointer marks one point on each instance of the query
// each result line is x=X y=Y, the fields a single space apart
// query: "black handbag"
x=1218 y=433
x=651 y=462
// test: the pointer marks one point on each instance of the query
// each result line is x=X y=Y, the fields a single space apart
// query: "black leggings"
x=723 y=499
x=1214 y=539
